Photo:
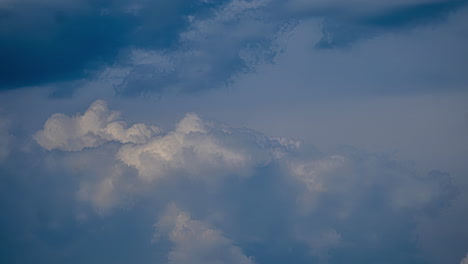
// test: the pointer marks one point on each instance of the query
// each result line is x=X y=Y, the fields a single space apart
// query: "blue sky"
x=239 y=132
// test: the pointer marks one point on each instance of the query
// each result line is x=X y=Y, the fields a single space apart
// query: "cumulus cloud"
x=96 y=126
x=197 y=242
x=202 y=149
x=332 y=204
x=196 y=148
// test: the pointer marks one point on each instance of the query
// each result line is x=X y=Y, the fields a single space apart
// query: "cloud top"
x=96 y=126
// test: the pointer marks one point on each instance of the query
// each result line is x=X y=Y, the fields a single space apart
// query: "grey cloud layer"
x=252 y=194
x=188 y=46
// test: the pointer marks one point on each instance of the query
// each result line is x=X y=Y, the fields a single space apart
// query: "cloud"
x=96 y=126
x=210 y=58
x=196 y=242
x=327 y=206
x=202 y=149
x=49 y=41
x=352 y=200
x=234 y=39
x=197 y=148
x=203 y=45
x=342 y=176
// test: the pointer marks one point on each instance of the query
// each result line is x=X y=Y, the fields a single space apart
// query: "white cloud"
x=199 y=149
x=202 y=149
x=195 y=242
x=95 y=127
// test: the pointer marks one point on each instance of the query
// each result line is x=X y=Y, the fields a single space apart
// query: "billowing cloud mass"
x=333 y=205
x=203 y=149
x=196 y=148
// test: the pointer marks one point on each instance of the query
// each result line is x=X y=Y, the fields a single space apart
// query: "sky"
x=236 y=131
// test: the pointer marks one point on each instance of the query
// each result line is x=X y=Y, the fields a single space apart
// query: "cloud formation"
x=202 y=149
x=196 y=148
x=331 y=206
x=101 y=187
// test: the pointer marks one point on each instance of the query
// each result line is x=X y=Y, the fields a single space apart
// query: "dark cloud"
x=44 y=42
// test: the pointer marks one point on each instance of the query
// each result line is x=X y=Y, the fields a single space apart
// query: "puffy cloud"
x=96 y=126
x=196 y=148
x=196 y=242
x=202 y=149
x=332 y=205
